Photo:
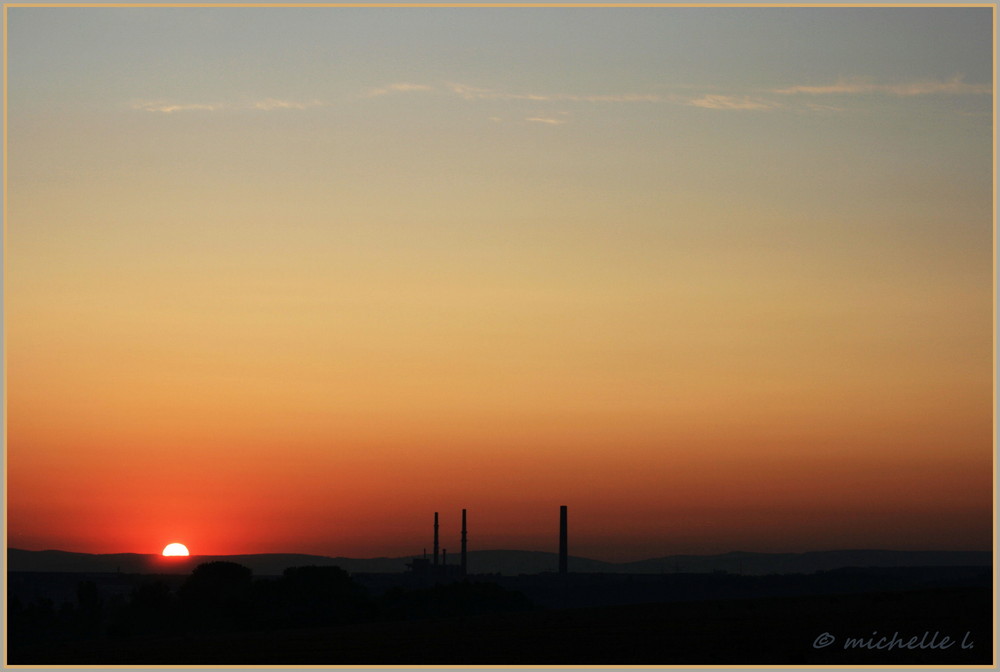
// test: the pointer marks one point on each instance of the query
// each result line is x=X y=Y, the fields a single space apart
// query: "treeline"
x=224 y=596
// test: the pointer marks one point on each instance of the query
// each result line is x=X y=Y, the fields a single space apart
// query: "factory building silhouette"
x=441 y=569
x=437 y=565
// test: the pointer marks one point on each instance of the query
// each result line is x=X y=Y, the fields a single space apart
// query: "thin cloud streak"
x=954 y=86
x=401 y=87
x=720 y=102
x=815 y=107
x=275 y=104
x=714 y=101
x=168 y=108
x=546 y=120
x=266 y=104
x=475 y=93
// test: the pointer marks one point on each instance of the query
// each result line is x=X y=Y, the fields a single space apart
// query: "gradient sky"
x=291 y=280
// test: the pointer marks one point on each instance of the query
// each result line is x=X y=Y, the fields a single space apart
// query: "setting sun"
x=175 y=549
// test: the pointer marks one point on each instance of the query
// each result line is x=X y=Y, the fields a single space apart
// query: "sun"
x=175 y=549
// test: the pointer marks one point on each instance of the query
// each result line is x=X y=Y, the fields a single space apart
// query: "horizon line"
x=515 y=550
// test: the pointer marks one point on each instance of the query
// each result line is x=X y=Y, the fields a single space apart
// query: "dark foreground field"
x=767 y=631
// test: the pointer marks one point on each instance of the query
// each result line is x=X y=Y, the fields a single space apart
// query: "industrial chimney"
x=464 y=539
x=435 y=538
x=563 y=549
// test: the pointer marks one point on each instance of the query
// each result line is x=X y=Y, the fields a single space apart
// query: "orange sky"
x=292 y=283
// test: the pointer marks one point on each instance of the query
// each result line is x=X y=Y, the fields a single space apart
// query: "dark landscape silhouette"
x=502 y=608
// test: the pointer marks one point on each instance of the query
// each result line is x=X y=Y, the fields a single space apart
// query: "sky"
x=293 y=279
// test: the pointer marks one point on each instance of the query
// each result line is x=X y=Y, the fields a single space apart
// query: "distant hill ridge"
x=505 y=562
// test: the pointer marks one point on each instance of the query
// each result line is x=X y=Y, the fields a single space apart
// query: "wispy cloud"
x=954 y=86
x=756 y=101
x=721 y=102
x=276 y=104
x=476 y=93
x=470 y=92
x=401 y=87
x=168 y=108
x=546 y=120
x=612 y=98
x=814 y=107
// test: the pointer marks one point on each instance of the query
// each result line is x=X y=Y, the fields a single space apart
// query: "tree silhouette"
x=320 y=595
x=449 y=600
x=152 y=607
x=90 y=610
x=218 y=595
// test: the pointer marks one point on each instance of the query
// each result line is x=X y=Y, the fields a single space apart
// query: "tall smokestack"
x=435 y=537
x=563 y=545
x=464 y=539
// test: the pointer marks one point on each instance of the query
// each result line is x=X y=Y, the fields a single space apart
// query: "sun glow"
x=175 y=549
